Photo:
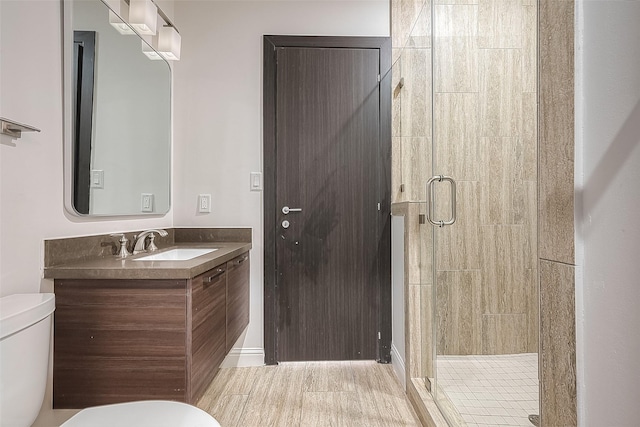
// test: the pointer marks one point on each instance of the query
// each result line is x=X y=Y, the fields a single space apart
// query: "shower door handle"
x=431 y=200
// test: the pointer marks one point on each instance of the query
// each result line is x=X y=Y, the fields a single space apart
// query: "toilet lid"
x=147 y=413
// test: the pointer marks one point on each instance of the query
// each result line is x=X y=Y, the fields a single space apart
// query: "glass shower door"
x=481 y=205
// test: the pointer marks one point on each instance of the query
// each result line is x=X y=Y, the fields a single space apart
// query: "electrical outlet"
x=147 y=202
x=97 y=178
x=204 y=203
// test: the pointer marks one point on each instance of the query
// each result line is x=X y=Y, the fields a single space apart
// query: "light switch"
x=146 y=202
x=204 y=203
x=256 y=181
x=97 y=178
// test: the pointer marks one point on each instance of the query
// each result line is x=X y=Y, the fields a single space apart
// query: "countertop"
x=128 y=268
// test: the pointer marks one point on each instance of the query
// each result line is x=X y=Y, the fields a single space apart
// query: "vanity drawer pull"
x=243 y=259
x=219 y=272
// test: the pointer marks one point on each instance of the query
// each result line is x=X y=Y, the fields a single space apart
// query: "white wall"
x=608 y=234
x=31 y=179
x=218 y=108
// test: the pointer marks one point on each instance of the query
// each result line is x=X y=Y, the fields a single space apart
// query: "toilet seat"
x=146 y=413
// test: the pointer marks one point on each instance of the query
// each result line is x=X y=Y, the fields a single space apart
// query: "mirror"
x=117 y=118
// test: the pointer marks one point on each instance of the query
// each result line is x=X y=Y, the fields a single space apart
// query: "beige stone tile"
x=420 y=36
x=396 y=52
x=413 y=245
x=396 y=170
x=456 y=48
x=413 y=331
x=504 y=333
x=503 y=272
x=325 y=376
x=426 y=331
x=258 y=407
x=556 y=131
x=229 y=409
x=416 y=166
x=426 y=249
x=416 y=93
x=530 y=47
x=319 y=409
x=458 y=313
x=500 y=92
x=459 y=2
x=558 y=344
x=457 y=247
x=404 y=14
x=501 y=187
x=396 y=98
x=287 y=391
x=456 y=129
x=533 y=310
x=500 y=24
x=529 y=136
x=531 y=225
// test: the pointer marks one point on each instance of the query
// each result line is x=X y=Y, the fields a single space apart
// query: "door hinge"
x=378 y=78
x=379 y=335
x=378 y=206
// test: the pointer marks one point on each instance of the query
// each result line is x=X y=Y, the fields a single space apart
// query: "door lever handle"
x=287 y=209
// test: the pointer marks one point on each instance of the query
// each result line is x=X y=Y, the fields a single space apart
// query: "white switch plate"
x=255 y=181
x=146 y=202
x=97 y=178
x=204 y=203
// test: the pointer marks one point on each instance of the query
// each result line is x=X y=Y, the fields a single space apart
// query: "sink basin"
x=179 y=254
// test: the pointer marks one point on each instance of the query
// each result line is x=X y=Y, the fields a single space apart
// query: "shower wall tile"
x=558 y=344
x=458 y=246
x=416 y=166
x=456 y=2
x=504 y=334
x=404 y=14
x=503 y=272
x=456 y=48
x=415 y=97
x=413 y=245
x=396 y=170
x=426 y=249
x=426 y=319
x=530 y=47
x=396 y=99
x=531 y=225
x=501 y=189
x=530 y=136
x=500 y=92
x=556 y=131
x=413 y=340
x=456 y=126
x=458 y=312
x=420 y=36
x=533 y=310
x=500 y=24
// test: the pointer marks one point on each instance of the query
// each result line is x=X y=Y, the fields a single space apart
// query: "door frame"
x=271 y=43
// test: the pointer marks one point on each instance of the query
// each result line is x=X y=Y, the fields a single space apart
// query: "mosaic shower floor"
x=496 y=390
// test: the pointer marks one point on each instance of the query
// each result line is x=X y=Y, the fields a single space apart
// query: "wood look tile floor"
x=353 y=393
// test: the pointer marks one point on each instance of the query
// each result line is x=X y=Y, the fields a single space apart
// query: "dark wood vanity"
x=118 y=340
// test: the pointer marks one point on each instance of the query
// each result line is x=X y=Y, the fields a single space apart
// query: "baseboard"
x=244 y=357
x=398 y=366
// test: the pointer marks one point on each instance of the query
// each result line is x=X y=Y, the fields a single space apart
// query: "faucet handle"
x=123 y=252
x=151 y=246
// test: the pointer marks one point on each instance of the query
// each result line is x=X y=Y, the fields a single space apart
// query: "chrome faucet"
x=142 y=237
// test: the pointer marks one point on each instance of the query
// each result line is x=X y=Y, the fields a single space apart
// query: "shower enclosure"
x=465 y=142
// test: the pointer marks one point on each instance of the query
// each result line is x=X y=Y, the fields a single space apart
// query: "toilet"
x=25 y=335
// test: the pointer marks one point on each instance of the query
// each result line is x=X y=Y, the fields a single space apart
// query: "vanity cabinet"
x=124 y=340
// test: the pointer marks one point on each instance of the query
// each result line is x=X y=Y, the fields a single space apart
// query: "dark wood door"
x=328 y=139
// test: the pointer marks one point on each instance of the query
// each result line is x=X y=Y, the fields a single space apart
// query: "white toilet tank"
x=25 y=335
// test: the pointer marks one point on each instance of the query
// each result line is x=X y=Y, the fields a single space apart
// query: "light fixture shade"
x=118 y=23
x=143 y=16
x=149 y=51
x=169 y=42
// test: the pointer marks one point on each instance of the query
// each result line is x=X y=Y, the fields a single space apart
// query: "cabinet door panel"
x=208 y=329
x=237 y=298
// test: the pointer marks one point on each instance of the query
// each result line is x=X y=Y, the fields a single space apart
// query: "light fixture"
x=119 y=15
x=169 y=42
x=148 y=48
x=143 y=16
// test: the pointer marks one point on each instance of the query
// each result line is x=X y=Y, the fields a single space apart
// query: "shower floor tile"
x=491 y=390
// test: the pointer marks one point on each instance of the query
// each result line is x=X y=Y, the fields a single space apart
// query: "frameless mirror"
x=117 y=117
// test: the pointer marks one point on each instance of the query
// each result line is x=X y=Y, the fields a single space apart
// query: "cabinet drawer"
x=208 y=328
x=237 y=298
